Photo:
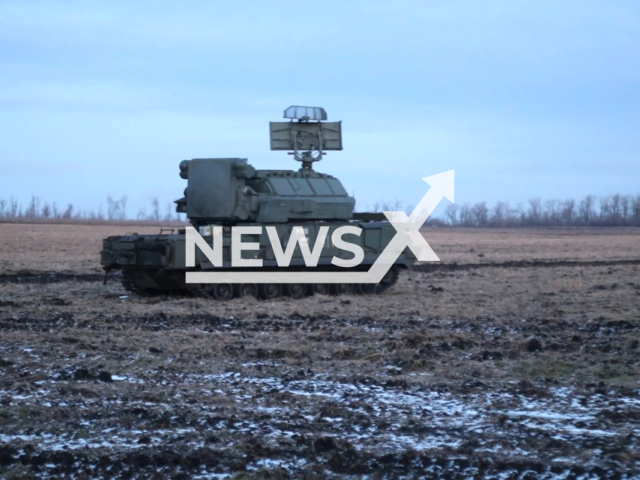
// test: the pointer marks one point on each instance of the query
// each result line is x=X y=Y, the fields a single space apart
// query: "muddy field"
x=517 y=357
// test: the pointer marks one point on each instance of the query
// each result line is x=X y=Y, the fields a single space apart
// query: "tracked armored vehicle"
x=229 y=192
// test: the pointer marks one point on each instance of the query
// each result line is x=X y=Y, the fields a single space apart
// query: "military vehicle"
x=229 y=192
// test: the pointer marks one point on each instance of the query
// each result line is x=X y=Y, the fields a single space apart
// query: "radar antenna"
x=309 y=137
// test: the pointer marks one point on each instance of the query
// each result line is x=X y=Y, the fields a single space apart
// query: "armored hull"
x=155 y=264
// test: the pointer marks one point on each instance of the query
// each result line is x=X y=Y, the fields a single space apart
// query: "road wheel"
x=367 y=288
x=321 y=289
x=296 y=290
x=223 y=291
x=270 y=290
x=390 y=277
x=342 y=288
x=248 y=290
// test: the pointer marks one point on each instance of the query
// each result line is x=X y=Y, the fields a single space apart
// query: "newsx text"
x=283 y=256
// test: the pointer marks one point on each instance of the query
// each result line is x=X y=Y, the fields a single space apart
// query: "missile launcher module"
x=230 y=193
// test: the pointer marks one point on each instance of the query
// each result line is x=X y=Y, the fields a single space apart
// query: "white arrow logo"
x=407 y=235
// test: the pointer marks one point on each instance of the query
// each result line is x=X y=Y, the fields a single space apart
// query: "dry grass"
x=467 y=245
x=53 y=247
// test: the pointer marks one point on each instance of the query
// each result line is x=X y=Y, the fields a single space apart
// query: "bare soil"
x=518 y=357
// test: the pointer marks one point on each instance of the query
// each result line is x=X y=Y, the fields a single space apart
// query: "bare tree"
x=393 y=206
x=615 y=209
x=625 y=207
x=465 y=218
x=452 y=213
x=586 y=209
x=635 y=209
x=480 y=213
x=535 y=211
x=500 y=214
x=68 y=213
x=155 y=209
x=15 y=209
x=568 y=211
x=551 y=212
x=519 y=214
x=112 y=207
x=123 y=207
x=46 y=210
x=33 y=210
x=99 y=215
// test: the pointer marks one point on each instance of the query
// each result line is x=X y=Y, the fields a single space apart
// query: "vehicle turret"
x=230 y=191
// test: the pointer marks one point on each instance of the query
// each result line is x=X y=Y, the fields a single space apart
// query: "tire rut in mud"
x=45 y=277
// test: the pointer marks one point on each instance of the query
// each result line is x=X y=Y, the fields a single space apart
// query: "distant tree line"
x=608 y=211
x=116 y=210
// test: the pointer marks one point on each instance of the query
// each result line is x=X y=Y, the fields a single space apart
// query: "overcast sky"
x=521 y=98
